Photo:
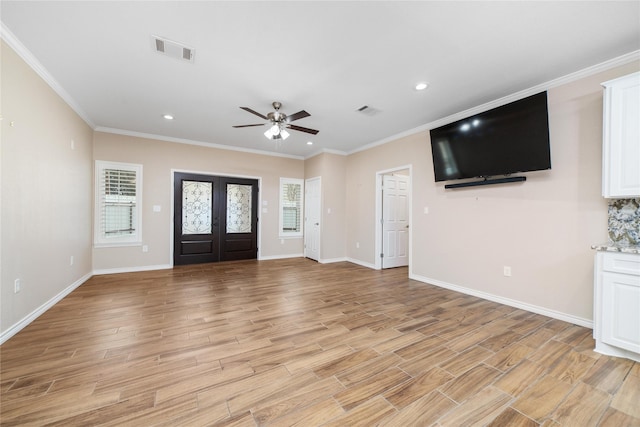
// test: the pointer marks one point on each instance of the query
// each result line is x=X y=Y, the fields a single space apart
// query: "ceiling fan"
x=279 y=122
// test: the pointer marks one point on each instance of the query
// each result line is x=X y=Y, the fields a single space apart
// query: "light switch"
x=157 y=208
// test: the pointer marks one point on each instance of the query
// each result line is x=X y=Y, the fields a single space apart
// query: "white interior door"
x=395 y=221
x=313 y=210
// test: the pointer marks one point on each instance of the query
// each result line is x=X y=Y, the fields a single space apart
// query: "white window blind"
x=291 y=200
x=118 y=193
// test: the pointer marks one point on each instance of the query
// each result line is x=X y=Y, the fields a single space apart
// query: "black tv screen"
x=508 y=139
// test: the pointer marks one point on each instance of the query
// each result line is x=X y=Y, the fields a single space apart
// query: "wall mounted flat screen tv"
x=505 y=140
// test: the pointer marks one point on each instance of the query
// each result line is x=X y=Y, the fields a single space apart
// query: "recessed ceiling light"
x=168 y=116
x=422 y=86
x=309 y=143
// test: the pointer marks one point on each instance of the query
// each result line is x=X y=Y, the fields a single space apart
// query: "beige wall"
x=542 y=228
x=362 y=168
x=331 y=168
x=46 y=192
x=159 y=158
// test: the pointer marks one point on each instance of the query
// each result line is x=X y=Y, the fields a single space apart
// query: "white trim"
x=610 y=350
x=506 y=301
x=25 y=321
x=117 y=244
x=192 y=142
x=361 y=263
x=131 y=269
x=326 y=150
x=285 y=256
x=24 y=53
x=332 y=260
x=615 y=62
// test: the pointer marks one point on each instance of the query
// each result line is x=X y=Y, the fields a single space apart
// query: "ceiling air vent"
x=369 y=111
x=173 y=49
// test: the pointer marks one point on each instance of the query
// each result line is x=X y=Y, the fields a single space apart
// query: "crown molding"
x=586 y=72
x=326 y=151
x=192 y=142
x=24 y=53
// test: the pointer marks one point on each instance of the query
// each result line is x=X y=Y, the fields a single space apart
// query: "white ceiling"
x=328 y=58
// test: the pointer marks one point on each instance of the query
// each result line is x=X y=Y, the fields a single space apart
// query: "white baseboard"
x=362 y=263
x=507 y=301
x=132 y=269
x=332 y=260
x=267 y=258
x=25 y=321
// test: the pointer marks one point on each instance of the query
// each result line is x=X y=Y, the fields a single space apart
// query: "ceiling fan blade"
x=254 y=112
x=301 y=129
x=246 y=126
x=299 y=115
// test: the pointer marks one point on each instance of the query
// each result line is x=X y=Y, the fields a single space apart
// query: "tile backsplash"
x=624 y=221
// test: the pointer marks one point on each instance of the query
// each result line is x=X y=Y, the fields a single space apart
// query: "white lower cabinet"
x=617 y=304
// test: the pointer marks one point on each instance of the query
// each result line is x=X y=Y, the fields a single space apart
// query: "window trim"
x=130 y=240
x=282 y=234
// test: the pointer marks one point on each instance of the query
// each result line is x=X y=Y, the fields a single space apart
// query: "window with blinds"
x=291 y=200
x=118 y=194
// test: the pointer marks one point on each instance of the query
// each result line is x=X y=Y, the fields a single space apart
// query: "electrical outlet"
x=357 y=245
x=145 y=248
x=507 y=271
x=17 y=286
x=71 y=260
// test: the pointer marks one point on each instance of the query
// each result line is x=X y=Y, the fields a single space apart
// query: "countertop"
x=617 y=247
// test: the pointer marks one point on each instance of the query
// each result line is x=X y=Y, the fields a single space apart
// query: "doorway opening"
x=393 y=218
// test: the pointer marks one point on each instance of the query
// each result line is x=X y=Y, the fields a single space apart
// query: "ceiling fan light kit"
x=279 y=122
x=276 y=132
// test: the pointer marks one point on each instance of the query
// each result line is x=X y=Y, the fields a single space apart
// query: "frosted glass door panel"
x=239 y=208
x=196 y=207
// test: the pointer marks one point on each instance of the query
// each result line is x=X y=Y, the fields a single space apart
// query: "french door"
x=215 y=218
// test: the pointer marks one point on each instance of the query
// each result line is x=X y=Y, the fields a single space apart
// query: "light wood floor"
x=292 y=342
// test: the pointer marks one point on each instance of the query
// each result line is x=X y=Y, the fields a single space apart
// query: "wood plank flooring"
x=296 y=343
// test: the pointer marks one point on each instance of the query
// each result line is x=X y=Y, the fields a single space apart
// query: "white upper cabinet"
x=621 y=139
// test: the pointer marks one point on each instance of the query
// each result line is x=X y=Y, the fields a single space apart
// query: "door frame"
x=209 y=173
x=306 y=210
x=378 y=214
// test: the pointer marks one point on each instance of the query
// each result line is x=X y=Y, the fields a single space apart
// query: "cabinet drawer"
x=616 y=262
